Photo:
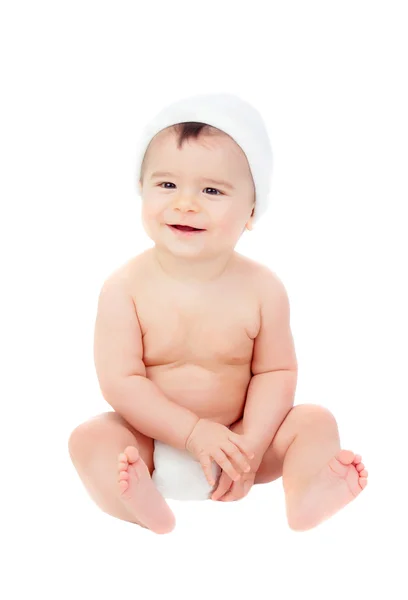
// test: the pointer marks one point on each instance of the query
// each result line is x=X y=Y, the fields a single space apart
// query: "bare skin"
x=139 y=494
x=337 y=483
x=198 y=344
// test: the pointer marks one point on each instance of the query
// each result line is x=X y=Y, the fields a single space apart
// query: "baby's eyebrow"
x=220 y=182
x=216 y=181
x=161 y=174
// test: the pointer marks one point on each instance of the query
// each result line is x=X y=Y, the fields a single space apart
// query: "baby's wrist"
x=238 y=427
x=187 y=439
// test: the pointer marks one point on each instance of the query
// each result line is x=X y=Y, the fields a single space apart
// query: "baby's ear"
x=250 y=223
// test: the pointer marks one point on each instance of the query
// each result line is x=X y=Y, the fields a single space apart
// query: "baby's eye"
x=207 y=188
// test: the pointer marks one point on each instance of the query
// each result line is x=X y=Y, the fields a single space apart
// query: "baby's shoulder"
x=258 y=274
x=130 y=274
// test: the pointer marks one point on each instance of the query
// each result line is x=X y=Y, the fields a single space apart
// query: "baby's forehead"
x=213 y=139
x=216 y=152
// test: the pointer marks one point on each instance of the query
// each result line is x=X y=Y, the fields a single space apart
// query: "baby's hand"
x=228 y=490
x=210 y=440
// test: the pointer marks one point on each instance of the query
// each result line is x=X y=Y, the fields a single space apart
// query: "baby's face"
x=192 y=192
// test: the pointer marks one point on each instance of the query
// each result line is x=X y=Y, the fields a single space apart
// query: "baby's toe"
x=132 y=454
x=123 y=476
x=357 y=459
x=359 y=467
x=123 y=485
x=123 y=463
x=362 y=481
x=363 y=473
x=122 y=458
x=346 y=457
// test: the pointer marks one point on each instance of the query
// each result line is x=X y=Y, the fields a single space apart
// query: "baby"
x=193 y=345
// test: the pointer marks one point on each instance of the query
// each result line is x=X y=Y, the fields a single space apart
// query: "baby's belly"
x=218 y=393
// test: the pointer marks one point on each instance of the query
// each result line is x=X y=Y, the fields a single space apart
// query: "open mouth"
x=186 y=228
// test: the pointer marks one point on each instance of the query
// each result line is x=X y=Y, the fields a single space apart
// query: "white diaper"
x=179 y=476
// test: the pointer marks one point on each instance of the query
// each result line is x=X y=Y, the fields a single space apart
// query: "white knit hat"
x=230 y=114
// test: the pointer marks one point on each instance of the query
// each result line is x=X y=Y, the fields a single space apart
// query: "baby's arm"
x=118 y=356
x=271 y=391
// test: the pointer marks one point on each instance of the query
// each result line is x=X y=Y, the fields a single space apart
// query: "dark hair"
x=190 y=130
x=185 y=131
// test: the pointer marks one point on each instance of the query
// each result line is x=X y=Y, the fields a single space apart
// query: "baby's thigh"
x=112 y=432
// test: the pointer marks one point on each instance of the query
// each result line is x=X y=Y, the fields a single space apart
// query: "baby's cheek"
x=231 y=229
x=150 y=210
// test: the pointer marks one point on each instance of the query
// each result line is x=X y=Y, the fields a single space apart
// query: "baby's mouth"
x=185 y=228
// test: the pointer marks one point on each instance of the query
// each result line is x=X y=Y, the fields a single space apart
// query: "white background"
x=80 y=79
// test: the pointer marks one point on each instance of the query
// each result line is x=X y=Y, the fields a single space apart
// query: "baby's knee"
x=75 y=440
x=312 y=413
x=82 y=437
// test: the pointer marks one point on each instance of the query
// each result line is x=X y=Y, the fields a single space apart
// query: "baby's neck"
x=191 y=271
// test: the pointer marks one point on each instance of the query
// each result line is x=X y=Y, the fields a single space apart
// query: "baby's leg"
x=106 y=452
x=319 y=478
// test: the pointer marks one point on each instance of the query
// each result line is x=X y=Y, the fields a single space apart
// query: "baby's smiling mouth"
x=185 y=228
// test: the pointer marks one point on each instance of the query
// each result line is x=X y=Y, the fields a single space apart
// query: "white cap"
x=230 y=114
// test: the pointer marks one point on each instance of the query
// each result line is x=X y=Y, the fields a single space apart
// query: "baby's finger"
x=205 y=462
x=236 y=454
x=225 y=464
x=242 y=444
x=229 y=497
x=224 y=485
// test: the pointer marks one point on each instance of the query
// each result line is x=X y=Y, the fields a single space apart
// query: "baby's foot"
x=140 y=495
x=339 y=481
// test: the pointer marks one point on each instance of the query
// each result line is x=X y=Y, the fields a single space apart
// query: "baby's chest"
x=202 y=333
